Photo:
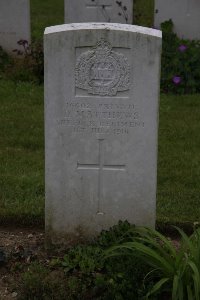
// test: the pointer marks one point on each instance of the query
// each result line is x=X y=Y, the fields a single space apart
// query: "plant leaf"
x=157 y=286
x=196 y=279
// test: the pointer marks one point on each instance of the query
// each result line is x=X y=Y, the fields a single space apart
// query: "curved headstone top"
x=104 y=26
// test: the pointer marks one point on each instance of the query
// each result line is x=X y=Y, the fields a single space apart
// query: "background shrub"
x=26 y=65
x=180 y=68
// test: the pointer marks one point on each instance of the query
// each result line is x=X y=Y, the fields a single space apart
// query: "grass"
x=21 y=153
x=45 y=13
x=143 y=12
x=179 y=160
x=22 y=156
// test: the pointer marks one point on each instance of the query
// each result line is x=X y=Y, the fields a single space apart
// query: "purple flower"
x=182 y=48
x=176 y=79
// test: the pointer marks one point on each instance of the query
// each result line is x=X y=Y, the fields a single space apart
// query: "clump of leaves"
x=177 y=272
x=115 y=278
x=114 y=235
x=86 y=259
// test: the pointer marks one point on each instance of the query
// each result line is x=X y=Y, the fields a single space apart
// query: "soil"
x=17 y=246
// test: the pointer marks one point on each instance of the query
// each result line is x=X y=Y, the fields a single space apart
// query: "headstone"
x=185 y=15
x=101 y=105
x=14 y=23
x=111 y=11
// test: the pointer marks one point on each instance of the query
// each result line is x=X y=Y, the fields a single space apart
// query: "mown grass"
x=21 y=153
x=45 y=13
x=22 y=156
x=179 y=160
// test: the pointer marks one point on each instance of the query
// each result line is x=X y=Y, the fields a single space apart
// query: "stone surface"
x=14 y=23
x=111 y=11
x=185 y=15
x=101 y=115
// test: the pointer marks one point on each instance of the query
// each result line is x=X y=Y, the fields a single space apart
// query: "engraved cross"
x=102 y=6
x=101 y=167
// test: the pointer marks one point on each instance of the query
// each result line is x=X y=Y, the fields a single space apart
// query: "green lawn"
x=179 y=159
x=22 y=156
x=45 y=13
x=21 y=153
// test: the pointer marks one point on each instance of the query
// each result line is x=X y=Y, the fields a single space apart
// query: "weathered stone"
x=110 y=11
x=14 y=23
x=185 y=15
x=101 y=103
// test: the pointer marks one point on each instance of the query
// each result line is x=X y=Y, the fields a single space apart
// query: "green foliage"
x=38 y=282
x=143 y=12
x=84 y=259
x=32 y=281
x=114 y=235
x=180 y=71
x=177 y=271
x=84 y=274
x=4 y=60
x=27 y=64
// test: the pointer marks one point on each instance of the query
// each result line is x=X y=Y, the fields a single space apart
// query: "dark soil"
x=18 y=247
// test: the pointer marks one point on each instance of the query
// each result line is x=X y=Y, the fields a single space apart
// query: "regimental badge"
x=102 y=71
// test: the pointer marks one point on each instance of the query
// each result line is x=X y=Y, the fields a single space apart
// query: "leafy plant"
x=177 y=271
x=84 y=274
x=86 y=259
x=115 y=234
x=26 y=65
x=180 y=68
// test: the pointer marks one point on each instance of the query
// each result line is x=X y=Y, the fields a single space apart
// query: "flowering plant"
x=180 y=71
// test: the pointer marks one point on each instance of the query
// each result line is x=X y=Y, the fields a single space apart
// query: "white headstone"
x=14 y=23
x=185 y=15
x=101 y=114
x=110 y=11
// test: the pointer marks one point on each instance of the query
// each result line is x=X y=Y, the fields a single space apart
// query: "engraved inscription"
x=101 y=167
x=103 y=118
x=102 y=71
